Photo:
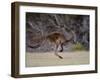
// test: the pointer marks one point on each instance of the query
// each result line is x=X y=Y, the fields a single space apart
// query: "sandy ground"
x=49 y=59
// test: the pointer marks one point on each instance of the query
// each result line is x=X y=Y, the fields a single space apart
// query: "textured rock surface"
x=41 y=24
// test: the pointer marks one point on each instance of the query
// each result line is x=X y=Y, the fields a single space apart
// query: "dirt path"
x=49 y=59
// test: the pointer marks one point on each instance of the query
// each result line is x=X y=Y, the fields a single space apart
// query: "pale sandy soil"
x=49 y=59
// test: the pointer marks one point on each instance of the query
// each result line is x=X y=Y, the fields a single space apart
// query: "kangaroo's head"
x=71 y=34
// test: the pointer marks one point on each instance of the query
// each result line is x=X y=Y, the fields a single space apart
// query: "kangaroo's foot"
x=60 y=57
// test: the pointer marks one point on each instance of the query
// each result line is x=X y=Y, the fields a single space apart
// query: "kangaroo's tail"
x=36 y=46
x=36 y=42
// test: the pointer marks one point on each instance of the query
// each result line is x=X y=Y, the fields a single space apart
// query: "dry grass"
x=49 y=59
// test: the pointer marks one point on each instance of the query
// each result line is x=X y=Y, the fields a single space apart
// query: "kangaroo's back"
x=55 y=37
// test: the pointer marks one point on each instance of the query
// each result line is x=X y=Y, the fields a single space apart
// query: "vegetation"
x=78 y=47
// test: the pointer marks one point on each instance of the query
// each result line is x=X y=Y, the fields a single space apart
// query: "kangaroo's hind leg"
x=61 y=48
x=56 y=52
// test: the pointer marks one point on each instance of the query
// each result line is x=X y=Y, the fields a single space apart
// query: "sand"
x=49 y=59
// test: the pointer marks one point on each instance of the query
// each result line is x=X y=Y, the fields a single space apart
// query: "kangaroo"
x=56 y=38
